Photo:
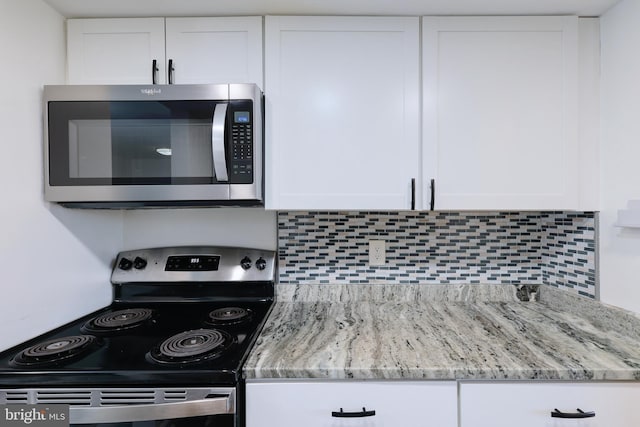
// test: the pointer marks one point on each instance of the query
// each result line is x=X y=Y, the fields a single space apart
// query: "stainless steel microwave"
x=161 y=145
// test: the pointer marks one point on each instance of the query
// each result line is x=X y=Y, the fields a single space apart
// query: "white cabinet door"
x=312 y=404
x=215 y=50
x=500 y=112
x=531 y=404
x=201 y=50
x=342 y=112
x=115 y=51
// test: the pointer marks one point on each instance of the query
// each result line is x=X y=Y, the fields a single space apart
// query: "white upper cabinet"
x=200 y=50
x=215 y=50
x=500 y=112
x=342 y=112
x=354 y=123
x=115 y=51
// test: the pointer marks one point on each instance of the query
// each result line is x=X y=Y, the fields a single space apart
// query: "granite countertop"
x=443 y=332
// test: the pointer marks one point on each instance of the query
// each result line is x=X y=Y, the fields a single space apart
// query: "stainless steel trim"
x=217 y=143
x=255 y=190
x=135 y=92
x=138 y=193
x=162 y=411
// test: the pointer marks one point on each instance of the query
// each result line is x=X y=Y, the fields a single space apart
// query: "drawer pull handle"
x=579 y=414
x=363 y=413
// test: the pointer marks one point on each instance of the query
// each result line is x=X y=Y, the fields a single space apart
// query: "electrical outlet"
x=377 y=252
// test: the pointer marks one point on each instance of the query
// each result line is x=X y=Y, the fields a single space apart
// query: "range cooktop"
x=179 y=316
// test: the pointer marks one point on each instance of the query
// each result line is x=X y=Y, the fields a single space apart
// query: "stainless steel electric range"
x=167 y=352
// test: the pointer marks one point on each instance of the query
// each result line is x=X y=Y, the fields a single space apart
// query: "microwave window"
x=139 y=148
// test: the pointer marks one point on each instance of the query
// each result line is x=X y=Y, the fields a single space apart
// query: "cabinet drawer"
x=531 y=404
x=311 y=404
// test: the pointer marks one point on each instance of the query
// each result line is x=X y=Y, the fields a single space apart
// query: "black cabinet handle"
x=433 y=194
x=171 y=69
x=413 y=194
x=579 y=414
x=363 y=413
x=154 y=71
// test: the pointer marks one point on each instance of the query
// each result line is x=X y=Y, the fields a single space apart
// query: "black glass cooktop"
x=150 y=344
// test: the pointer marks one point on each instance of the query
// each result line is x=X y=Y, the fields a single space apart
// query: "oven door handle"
x=217 y=143
x=160 y=411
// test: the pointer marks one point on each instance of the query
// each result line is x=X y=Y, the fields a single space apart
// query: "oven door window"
x=138 y=142
x=224 y=420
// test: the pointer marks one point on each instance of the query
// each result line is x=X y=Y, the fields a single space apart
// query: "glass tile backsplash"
x=555 y=248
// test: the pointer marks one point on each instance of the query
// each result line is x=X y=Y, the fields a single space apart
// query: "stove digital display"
x=193 y=263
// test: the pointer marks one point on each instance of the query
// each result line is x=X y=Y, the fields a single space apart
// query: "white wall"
x=251 y=227
x=55 y=262
x=620 y=153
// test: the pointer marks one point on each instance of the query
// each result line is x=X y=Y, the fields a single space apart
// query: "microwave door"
x=218 y=153
x=190 y=145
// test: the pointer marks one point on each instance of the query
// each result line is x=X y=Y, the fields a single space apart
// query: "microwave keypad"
x=242 y=152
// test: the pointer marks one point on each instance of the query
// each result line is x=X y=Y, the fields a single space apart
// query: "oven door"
x=131 y=407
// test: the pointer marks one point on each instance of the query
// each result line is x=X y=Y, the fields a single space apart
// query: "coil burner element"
x=229 y=316
x=55 y=351
x=119 y=321
x=194 y=346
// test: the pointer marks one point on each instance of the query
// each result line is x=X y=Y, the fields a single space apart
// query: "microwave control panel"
x=242 y=146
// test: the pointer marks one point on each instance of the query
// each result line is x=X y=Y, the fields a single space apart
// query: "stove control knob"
x=139 y=263
x=125 y=264
x=261 y=264
x=245 y=263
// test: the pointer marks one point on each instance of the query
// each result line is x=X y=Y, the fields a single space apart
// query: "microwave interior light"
x=164 y=151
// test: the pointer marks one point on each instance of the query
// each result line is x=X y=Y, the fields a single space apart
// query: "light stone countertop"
x=443 y=332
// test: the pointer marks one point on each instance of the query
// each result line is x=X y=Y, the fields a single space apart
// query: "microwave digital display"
x=241 y=117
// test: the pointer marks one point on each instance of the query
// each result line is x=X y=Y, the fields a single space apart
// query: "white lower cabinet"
x=531 y=404
x=318 y=404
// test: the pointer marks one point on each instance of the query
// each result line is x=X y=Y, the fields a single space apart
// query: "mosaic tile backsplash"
x=556 y=248
x=568 y=252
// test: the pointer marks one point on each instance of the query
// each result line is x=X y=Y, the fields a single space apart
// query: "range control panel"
x=194 y=264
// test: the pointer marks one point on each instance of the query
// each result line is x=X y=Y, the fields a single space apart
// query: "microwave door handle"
x=217 y=143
